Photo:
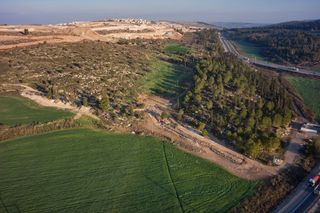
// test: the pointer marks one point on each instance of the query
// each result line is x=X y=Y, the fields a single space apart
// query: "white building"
x=310 y=128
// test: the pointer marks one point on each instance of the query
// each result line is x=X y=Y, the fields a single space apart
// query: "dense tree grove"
x=282 y=45
x=236 y=102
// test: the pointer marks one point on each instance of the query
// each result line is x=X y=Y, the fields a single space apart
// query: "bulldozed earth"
x=12 y=36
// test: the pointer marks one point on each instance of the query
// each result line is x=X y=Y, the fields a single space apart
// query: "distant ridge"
x=298 y=25
x=230 y=25
x=199 y=24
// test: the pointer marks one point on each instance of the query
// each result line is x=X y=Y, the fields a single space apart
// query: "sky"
x=251 y=11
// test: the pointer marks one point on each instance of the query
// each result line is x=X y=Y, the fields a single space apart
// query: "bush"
x=85 y=101
x=180 y=114
x=201 y=126
x=312 y=148
x=26 y=32
x=164 y=115
x=316 y=144
x=36 y=128
x=104 y=104
x=205 y=132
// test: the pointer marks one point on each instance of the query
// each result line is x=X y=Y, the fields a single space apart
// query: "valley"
x=129 y=115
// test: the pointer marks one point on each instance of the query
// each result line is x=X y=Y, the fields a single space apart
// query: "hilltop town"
x=103 y=30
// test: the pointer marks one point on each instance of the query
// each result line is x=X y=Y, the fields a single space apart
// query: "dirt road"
x=191 y=141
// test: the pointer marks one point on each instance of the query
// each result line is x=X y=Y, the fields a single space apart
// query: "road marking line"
x=300 y=204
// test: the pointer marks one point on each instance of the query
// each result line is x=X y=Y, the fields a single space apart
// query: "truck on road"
x=314 y=181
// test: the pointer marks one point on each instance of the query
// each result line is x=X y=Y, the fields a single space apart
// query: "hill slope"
x=292 y=42
x=310 y=25
x=82 y=170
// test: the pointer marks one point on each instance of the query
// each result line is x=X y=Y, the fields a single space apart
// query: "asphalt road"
x=302 y=198
x=229 y=47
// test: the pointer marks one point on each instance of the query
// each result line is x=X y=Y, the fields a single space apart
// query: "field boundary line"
x=170 y=176
x=5 y=207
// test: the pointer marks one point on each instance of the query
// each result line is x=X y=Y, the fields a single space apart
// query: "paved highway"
x=302 y=198
x=229 y=47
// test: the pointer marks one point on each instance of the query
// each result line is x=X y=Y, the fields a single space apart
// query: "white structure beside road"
x=310 y=128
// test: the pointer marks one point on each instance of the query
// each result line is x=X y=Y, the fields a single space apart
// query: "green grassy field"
x=84 y=170
x=17 y=110
x=174 y=48
x=166 y=79
x=250 y=49
x=309 y=91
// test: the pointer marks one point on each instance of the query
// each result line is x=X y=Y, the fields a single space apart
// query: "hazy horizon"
x=248 y=11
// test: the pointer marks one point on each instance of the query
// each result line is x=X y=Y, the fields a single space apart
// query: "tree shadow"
x=173 y=83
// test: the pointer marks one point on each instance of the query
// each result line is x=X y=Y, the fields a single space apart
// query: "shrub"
x=26 y=32
x=104 y=104
x=164 y=115
x=204 y=132
x=201 y=126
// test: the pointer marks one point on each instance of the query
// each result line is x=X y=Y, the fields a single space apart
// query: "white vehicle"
x=246 y=59
x=294 y=68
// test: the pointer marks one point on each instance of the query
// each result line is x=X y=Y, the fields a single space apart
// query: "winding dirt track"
x=210 y=149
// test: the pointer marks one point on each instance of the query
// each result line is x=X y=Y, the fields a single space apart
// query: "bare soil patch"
x=108 y=30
